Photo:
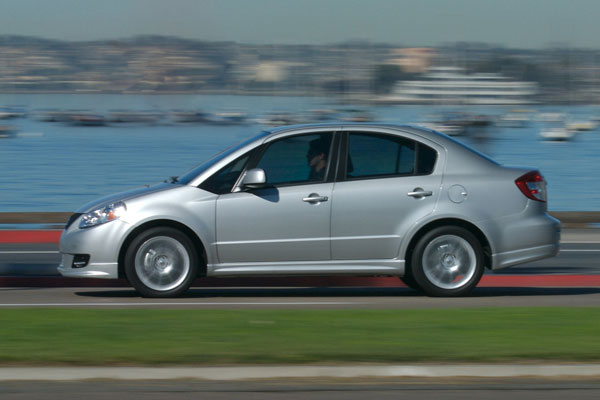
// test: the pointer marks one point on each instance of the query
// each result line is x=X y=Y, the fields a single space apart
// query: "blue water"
x=56 y=167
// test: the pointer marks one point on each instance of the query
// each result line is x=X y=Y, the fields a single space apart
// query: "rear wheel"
x=447 y=261
x=161 y=262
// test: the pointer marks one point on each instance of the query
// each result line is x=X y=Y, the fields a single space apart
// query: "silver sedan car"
x=349 y=199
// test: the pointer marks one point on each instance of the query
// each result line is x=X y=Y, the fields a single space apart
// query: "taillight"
x=533 y=185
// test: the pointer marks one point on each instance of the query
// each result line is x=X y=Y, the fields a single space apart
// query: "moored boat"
x=87 y=119
x=134 y=117
x=7 y=131
x=559 y=134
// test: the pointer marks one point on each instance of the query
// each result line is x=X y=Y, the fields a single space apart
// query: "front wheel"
x=410 y=282
x=161 y=262
x=447 y=261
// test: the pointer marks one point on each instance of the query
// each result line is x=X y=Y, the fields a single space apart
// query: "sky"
x=510 y=23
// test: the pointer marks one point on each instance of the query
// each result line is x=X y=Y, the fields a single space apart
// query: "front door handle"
x=315 y=198
x=419 y=193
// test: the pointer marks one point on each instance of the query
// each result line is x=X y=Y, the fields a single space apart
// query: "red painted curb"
x=540 y=281
x=488 y=281
x=30 y=236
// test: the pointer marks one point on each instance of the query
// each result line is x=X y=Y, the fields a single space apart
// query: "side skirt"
x=336 y=267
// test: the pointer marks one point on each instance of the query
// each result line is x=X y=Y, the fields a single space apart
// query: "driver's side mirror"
x=254 y=179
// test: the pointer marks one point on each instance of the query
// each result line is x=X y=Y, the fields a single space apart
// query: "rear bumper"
x=510 y=258
x=526 y=239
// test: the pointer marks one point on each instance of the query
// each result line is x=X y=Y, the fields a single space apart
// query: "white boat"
x=560 y=134
x=11 y=113
x=278 y=119
x=458 y=123
x=228 y=118
x=551 y=117
x=452 y=85
x=450 y=130
x=514 y=119
x=581 y=126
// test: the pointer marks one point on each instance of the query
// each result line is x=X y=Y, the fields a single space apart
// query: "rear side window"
x=377 y=155
x=426 y=159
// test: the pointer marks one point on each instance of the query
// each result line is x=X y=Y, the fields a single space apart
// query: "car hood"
x=127 y=195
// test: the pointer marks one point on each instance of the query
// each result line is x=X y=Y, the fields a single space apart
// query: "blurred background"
x=100 y=97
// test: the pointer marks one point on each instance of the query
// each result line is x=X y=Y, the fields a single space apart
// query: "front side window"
x=297 y=159
x=377 y=155
x=222 y=181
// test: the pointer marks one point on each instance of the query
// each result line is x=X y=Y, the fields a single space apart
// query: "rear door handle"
x=315 y=198
x=419 y=193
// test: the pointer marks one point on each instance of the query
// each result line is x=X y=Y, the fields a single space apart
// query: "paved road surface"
x=298 y=298
x=343 y=390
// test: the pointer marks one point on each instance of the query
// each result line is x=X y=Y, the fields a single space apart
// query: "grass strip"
x=128 y=336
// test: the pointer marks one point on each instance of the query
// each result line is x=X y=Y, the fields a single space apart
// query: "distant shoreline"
x=357 y=98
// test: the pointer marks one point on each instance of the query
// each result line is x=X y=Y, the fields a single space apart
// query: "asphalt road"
x=343 y=390
x=297 y=298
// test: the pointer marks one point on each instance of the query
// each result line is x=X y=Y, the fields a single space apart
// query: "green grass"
x=100 y=337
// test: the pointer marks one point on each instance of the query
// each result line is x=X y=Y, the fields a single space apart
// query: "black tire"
x=447 y=261
x=161 y=262
x=409 y=281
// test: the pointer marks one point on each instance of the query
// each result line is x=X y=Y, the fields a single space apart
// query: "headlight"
x=102 y=215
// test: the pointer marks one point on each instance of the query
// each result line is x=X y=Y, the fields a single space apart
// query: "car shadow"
x=342 y=292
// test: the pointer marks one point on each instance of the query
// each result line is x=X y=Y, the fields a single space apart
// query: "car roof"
x=340 y=126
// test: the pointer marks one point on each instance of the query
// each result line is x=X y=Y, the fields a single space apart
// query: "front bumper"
x=92 y=270
x=102 y=243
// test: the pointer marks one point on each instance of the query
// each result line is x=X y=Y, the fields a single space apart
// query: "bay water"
x=51 y=166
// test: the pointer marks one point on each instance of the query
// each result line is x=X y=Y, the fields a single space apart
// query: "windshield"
x=194 y=172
